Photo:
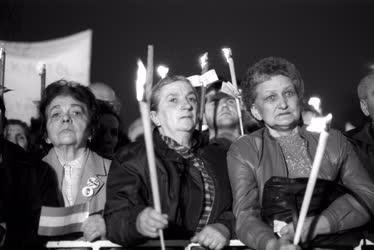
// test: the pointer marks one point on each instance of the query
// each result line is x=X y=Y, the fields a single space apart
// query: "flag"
x=56 y=221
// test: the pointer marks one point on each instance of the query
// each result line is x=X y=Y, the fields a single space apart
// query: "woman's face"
x=177 y=107
x=277 y=104
x=67 y=122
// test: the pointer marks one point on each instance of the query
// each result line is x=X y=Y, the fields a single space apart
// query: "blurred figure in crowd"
x=136 y=130
x=105 y=93
x=195 y=194
x=26 y=184
x=363 y=137
x=221 y=116
x=69 y=115
x=106 y=136
x=269 y=168
x=17 y=131
x=307 y=113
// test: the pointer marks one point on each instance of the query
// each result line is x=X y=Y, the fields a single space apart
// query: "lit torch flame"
x=204 y=60
x=162 y=71
x=140 y=81
x=315 y=102
x=319 y=124
x=227 y=53
x=40 y=67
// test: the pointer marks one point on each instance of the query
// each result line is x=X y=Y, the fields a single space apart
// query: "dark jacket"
x=254 y=159
x=129 y=192
x=363 y=142
x=25 y=185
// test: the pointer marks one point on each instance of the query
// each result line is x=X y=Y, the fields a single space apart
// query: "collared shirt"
x=71 y=177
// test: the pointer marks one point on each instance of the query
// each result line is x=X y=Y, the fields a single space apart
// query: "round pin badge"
x=87 y=191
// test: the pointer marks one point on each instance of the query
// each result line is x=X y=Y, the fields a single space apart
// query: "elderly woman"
x=68 y=112
x=273 y=91
x=195 y=195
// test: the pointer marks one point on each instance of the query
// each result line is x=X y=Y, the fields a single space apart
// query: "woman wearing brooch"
x=68 y=113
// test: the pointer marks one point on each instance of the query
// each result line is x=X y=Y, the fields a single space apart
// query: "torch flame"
x=204 y=60
x=40 y=67
x=162 y=71
x=319 y=124
x=315 y=102
x=140 y=80
x=227 y=53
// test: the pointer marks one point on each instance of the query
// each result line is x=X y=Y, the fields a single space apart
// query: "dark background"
x=331 y=42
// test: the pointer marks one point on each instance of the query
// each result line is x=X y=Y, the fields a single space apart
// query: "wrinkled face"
x=221 y=113
x=107 y=134
x=177 y=108
x=67 y=122
x=16 y=134
x=367 y=105
x=277 y=104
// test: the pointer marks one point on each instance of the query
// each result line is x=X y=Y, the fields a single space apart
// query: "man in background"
x=363 y=137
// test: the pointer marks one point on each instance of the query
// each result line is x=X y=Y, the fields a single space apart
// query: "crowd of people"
x=215 y=185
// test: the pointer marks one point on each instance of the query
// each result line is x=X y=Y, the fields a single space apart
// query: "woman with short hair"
x=279 y=156
x=68 y=113
x=195 y=195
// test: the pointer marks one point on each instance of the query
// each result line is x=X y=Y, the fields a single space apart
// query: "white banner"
x=68 y=58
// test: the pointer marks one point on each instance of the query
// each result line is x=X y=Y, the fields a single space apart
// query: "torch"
x=227 y=53
x=2 y=71
x=319 y=125
x=204 y=68
x=43 y=75
x=144 y=111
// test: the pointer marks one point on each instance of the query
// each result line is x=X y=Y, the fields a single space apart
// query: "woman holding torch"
x=195 y=196
x=267 y=165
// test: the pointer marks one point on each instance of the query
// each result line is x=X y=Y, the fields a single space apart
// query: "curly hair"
x=263 y=71
x=75 y=90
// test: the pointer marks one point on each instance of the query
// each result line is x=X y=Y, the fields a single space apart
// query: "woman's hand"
x=214 y=236
x=93 y=227
x=312 y=227
x=281 y=244
x=149 y=221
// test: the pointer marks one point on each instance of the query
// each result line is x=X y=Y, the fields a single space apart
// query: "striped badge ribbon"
x=55 y=221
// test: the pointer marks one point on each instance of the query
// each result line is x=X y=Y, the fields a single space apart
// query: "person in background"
x=308 y=113
x=279 y=156
x=195 y=195
x=106 y=136
x=68 y=112
x=26 y=184
x=363 y=137
x=17 y=131
x=221 y=116
x=105 y=93
x=135 y=131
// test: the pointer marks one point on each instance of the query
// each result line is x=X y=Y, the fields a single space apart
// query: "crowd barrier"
x=97 y=245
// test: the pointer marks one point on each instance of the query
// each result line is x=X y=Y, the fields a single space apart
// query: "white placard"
x=68 y=57
x=206 y=78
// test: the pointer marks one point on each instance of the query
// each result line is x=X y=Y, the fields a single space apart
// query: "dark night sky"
x=330 y=41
